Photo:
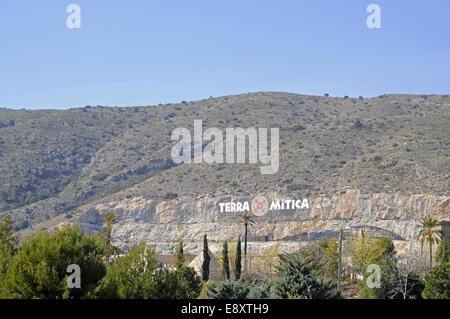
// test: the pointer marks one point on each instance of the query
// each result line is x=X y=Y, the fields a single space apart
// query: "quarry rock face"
x=158 y=222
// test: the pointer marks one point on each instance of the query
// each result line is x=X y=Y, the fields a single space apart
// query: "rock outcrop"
x=157 y=222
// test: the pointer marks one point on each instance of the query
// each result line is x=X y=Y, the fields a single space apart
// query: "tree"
x=131 y=276
x=5 y=259
x=299 y=277
x=225 y=261
x=321 y=246
x=358 y=248
x=206 y=259
x=137 y=275
x=437 y=283
x=259 y=290
x=443 y=252
x=238 y=264
x=384 y=247
x=246 y=220
x=179 y=258
x=406 y=283
x=175 y=285
x=7 y=239
x=398 y=281
x=237 y=289
x=8 y=245
x=365 y=250
x=189 y=283
x=331 y=259
x=231 y=249
x=177 y=249
x=228 y=289
x=39 y=268
x=429 y=233
x=109 y=220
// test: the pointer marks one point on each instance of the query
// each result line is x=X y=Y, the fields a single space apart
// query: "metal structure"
x=374 y=231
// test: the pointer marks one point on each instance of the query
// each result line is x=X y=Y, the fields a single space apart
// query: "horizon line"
x=38 y=108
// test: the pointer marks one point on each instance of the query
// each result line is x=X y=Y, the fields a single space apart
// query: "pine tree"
x=299 y=278
x=206 y=259
x=7 y=239
x=237 y=268
x=226 y=262
x=39 y=268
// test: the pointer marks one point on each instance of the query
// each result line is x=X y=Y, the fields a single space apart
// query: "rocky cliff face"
x=157 y=222
x=54 y=162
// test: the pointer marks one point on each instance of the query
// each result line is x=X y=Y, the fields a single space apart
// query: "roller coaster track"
x=372 y=230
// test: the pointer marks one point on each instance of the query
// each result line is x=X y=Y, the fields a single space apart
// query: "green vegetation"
x=260 y=290
x=109 y=249
x=443 y=252
x=238 y=289
x=53 y=162
x=8 y=245
x=5 y=260
x=238 y=264
x=429 y=234
x=246 y=220
x=61 y=160
x=206 y=259
x=178 y=252
x=437 y=283
x=365 y=250
x=8 y=241
x=225 y=261
x=331 y=258
x=397 y=282
x=137 y=275
x=131 y=276
x=228 y=289
x=321 y=246
x=39 y=268
x=299 y=277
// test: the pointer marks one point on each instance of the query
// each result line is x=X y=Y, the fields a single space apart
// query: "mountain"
x=56 y=165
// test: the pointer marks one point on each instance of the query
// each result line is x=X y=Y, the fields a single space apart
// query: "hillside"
x=57 y=163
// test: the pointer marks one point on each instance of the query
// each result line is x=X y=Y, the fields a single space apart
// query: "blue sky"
x=144 y=52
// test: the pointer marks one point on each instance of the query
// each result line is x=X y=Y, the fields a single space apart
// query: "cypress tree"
x=179 y=255
x=237 y=268
x=109 y=220
x=225 y=263
x=206 y=259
